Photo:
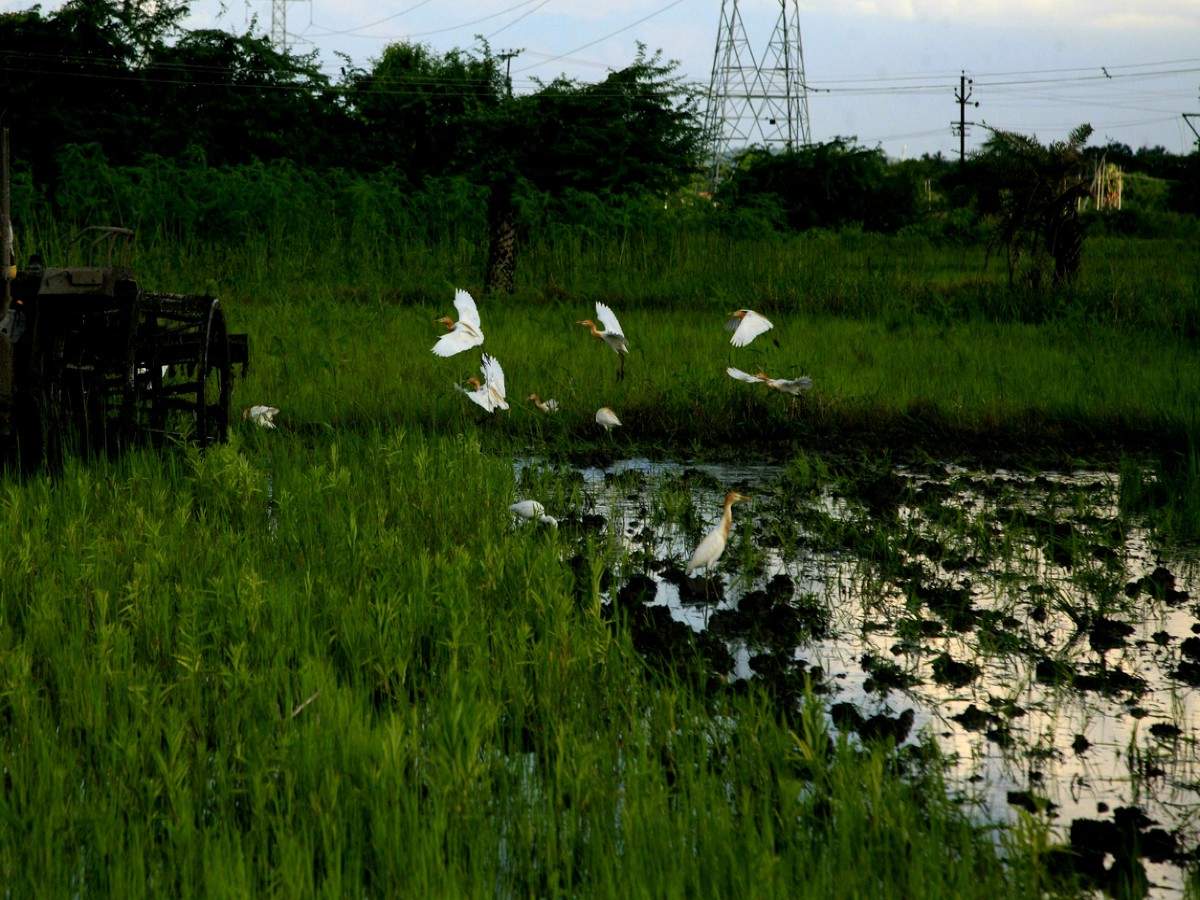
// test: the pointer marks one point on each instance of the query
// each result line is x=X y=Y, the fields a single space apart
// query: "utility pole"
x=507 y=56
x=962 y=96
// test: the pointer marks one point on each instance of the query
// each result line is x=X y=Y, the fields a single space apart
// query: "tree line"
x=130 y=79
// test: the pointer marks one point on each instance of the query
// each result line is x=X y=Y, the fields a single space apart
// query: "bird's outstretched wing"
x=752 y=326
x=791 y=385
x=741 y=376
x=467 y=310
x=608 y=320
x=480 y=396
x=456 y=341
x=493 y=380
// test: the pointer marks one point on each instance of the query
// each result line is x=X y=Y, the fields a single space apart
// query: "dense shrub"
x=823 y=186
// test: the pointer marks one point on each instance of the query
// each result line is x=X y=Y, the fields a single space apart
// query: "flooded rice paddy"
x=1046 y=643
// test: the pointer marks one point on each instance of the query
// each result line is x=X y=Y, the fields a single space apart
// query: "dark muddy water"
x=1047 y=645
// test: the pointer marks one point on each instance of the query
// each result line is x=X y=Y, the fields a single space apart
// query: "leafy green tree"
x=421 y=112
x=236 y=98
x=1038 y=188
x=824 y=185
x=633 y=133
x=70 y=76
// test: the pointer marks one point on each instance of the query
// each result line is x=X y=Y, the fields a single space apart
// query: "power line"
x=460 y=25
x=524 y=15
x=646 y=18
x=414 y=7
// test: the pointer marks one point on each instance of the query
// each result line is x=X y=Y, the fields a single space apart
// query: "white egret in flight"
x=611 y=334
x=463 y=334
x=746 y=325
x=793 y=386
x=546 y=406
x=490 y=393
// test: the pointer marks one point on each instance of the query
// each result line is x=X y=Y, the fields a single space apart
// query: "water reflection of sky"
x=1035 y=727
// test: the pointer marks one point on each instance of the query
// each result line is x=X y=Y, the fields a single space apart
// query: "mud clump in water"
x=975 y=719
x=1108 y=634
x=879 y=727
x=1128 y=839
x=884 y=675
x=947 y=670
x=1159 y=584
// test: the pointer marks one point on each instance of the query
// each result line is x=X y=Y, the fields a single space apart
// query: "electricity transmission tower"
x=280 y=38
x=756 y=99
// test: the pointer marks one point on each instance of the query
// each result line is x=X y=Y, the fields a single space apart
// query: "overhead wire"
x=413 y=8
x=518 y=19
x=456 y=27
x=602 y=38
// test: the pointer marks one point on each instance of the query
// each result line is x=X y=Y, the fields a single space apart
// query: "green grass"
x=941 y=387
x=395 y=693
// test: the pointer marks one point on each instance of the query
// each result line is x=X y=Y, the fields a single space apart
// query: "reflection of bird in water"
x=746 y=325
x=792 y=386
x=489 y=394
x=262 y=416
x=710 y=549
x=463 y=334
x=546 y=406
x=607 y=419
x=611 y=334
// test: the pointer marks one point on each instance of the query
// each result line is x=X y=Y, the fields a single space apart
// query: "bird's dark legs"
x=621 y=368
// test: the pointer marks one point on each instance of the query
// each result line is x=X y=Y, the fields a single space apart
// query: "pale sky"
x=884 y=70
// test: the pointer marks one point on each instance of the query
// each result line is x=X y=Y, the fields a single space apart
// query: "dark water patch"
x=992 y=604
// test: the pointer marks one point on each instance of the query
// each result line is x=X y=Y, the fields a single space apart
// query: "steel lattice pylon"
x=756 y=100
x=280 y=37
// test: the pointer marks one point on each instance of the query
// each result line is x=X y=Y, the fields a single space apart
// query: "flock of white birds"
x=490 y=395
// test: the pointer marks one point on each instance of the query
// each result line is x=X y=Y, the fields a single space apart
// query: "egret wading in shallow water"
x=709 y=550
x=262 y=416
x=489 y=393
x=546 y=406
x=611 y=334
x=607 y=419
x=532 y=510
x=746 y=325
x=793 y=386
x=463 y=334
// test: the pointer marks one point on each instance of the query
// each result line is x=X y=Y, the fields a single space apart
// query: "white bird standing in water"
x=793 y=386
x=709 y=550
x=746 y=325
x=490 y=393
x=463 y=334
x=607 y=419
x=546 y=406
x=262 y=416
x=529 y=510
x=611 y=334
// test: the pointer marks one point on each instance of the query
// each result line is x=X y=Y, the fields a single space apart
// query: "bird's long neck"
x=727 y=518
x=595 y=332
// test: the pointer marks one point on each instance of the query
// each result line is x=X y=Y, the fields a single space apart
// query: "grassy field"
x=321 y=660
x=390 y=690
x=941 y=387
